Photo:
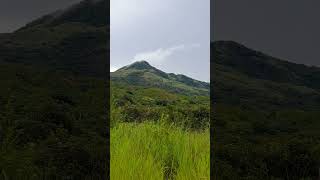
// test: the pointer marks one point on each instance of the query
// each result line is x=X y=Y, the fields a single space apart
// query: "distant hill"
x=244 y=76
x=141 y=73
x=90 y=12
x=74 y=39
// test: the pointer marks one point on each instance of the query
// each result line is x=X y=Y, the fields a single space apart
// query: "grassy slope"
x=156 y=151
x=156 y=134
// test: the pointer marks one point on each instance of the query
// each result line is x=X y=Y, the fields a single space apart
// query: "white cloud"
x=162 y=54
x=113 y=69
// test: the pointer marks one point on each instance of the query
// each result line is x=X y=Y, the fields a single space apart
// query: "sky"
x=287 y=29
x=172 y=35
x=16 y=13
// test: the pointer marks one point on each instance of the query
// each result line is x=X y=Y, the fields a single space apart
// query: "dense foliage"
x=52 y=124
x=138 y=104
x=266 y=116
x=53 y=96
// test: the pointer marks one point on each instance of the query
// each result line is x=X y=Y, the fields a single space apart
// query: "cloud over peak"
x=162 y=54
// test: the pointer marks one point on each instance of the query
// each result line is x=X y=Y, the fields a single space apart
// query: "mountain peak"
x=141 y=73
x=232 y=46
x=88 y=12
x=140 y=65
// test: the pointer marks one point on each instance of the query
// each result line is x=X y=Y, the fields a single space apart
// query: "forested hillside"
x=53 y=96
x=266 y=115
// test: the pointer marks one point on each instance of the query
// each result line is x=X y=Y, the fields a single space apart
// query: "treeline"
x=138 y=104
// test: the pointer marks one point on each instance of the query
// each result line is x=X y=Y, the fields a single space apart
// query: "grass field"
x=156 y=150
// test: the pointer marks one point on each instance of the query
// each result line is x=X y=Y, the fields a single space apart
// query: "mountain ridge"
x=242 y=76
x=74 y=39
x=263 y=66
x=141 y=73
x=91 y=12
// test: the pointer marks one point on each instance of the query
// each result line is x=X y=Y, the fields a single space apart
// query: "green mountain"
x=244 y=76
x=89 y=12
x=141 y=73
x=141 y=92
x=74 y=39
x=53 y=94
x=266 y=115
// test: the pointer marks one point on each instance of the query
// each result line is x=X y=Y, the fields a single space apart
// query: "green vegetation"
x=62 y=42
x=157 y=133
x=158 y=151
x=266 y=116
x=143 y=74
x=53 y=96
x=49 y=122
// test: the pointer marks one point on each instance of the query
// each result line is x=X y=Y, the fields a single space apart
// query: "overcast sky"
x=287 y=29
x=172 y=35
x=16 y=13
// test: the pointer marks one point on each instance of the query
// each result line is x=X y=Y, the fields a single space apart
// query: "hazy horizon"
x=163 y=33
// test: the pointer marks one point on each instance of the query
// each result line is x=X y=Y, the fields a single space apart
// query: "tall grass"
x=157 y=150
